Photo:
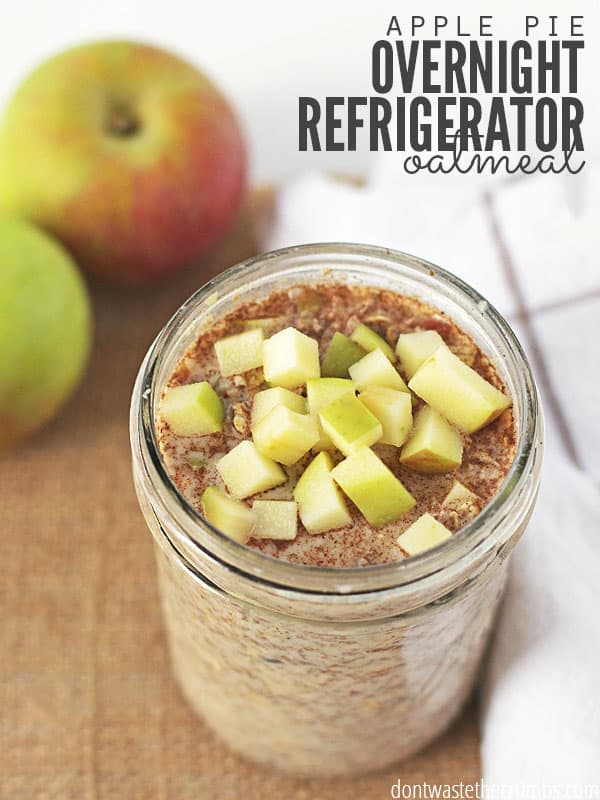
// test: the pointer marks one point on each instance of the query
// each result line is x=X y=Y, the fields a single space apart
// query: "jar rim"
x=470 y=542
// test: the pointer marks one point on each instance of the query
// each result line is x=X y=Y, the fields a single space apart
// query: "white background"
x=266 y=53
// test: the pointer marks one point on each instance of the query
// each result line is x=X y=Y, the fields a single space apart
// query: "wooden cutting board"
x=88 y=707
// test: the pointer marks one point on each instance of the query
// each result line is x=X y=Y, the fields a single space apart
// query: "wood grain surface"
x=88 y=707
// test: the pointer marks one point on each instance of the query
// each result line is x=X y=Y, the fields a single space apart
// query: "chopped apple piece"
x=240 y=353
x=192 y=410
x=269 y=398
x=196 y=460
x=320 y=392
x=458 y=392
x=374 y=369
x=373 y=487
x=414 y=348
x=349 y=424
x=268 y=325
x=369 y=340
x=434 y=445
x=285 y=435
x=230 y=516
x=393 y=409
x=246 y=471
x=459 y=506
x=275 y=519
x=340 y=355
x=290 y=358
x=460 y=496
x=320 y=502
x=422 y=535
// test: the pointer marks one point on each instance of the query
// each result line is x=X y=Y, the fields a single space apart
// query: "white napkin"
x=541 y=710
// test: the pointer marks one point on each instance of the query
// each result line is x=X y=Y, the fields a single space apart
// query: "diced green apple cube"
x=192 y=410
x=434 y=445
x=320 y=502
x=422 y=535
x=393 y=409
x=275 y=519
x=459 y=496
x=290 y=358
x=196 y=459
x=349 y=424
x=285 y=435
x=459 y=393
x=269 y=398
x=230 y=516
x=340 y=355
x=240 y=352
x=373 y=487
x=369 y=340
x=461 y=503
x=414 y=348
x=374 y=369
x=246 y=471
x=320 y=392
x=268 y=325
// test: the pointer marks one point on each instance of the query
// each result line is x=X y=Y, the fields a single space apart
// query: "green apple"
x=275 y=519
x=369 y=340
x=267 y=399
x=422 y=535
x=434 y=445
x=126 y=153
x=240 y=352
x=349 y=424
x=285 y=435
x=246 y=471
x=459 y=393
x=374 y=369
x=192 y=410
x=45 y=329
x=320 y=503
x=393 y=409
x=341 y=353
x=373 y=487
x=290 y=358
x=230 y=516
x=320 y=392
x=414 y=348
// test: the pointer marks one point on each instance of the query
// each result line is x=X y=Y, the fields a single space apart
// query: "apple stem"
x=122 y=124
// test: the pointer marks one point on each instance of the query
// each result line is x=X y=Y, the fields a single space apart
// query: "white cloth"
x=541 y=709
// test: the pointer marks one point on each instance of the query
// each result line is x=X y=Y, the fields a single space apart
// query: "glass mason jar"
x=317 y=670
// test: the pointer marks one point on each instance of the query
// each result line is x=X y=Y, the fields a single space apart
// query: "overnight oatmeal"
x=364 y=347
x=335 y=412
